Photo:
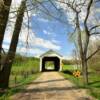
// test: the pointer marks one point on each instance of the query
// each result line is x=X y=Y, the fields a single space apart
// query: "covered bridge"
x=51 y=56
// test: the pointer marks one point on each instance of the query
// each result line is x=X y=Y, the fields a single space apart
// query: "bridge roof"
x=51 y=53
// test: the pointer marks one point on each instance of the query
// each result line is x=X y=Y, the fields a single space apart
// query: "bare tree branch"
x=69 y=5
x=87 y=15
x=97 y=1
x=53 y=5
x=88 y=11
x=95 y=33
x=86 y=43
x=73 y=6
x=93 y=53
x=94 y=27
x=28 y=30
x=49 y=14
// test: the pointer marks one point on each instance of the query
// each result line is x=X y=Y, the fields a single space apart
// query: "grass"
x=67 y=72
x=68 y=67
x=20 y=87
x=94 y=80
x=23 y=72
x=22 y=69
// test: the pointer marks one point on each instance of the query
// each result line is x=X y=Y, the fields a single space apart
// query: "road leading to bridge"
x=52 y=86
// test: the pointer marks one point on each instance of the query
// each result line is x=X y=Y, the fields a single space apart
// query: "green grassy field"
x=20 y=87
x=24 y=71
x=94 y=80
x=21 y=70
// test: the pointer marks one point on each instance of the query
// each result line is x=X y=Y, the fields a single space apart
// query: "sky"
x=55 y=32
x=45 y=32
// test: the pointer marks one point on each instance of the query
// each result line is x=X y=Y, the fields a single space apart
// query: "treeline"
x=19 y=58
x=70 y=62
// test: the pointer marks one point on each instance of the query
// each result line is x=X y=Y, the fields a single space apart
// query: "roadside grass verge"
x=20 y=86
x=24 y=71
x=94 y=80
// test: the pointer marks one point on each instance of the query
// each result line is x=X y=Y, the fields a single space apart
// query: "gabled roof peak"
x=50 y=52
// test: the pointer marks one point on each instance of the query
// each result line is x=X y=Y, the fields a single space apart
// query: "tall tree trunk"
x=86 y=43
x=83 y=52
x=84 y=59
x=4 y=75
x=4 y=14
x=84 y=70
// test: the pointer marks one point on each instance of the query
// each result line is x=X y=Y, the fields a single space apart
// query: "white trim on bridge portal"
x=51 y=53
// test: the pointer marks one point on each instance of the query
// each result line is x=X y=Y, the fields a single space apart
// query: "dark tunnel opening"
x=55 y=60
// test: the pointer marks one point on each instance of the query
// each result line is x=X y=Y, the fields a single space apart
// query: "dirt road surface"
x=52 y=86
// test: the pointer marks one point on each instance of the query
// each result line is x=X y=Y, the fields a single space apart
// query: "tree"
x=76 y=8
x=5 y=73
x=4 y=13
